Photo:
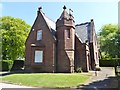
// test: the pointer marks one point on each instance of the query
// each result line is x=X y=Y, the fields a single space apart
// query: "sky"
x=102 y=12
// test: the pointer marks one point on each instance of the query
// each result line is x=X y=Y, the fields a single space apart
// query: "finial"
x=64 y=7
x=91 y=20
x=39 y=8
x=70 y=12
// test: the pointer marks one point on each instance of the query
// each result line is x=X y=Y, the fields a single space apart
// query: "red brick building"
x=61 y=46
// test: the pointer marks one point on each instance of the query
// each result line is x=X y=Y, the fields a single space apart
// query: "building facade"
x=60 y=46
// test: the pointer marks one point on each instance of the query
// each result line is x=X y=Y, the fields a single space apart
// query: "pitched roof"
x=51 y=24
x=64 y=15
x=82 y=31
x=78 y=37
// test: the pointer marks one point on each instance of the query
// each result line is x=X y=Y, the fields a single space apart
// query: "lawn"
x=47 y=79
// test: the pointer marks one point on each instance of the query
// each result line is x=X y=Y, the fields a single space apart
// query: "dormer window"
x=39 y=35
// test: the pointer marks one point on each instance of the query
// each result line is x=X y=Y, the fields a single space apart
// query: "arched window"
x=39 y=35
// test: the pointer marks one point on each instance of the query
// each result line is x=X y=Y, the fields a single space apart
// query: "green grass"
x=47 y=79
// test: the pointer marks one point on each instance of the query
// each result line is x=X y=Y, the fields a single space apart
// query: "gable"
x=85 y=31
x=41 y=22
x=51 y=25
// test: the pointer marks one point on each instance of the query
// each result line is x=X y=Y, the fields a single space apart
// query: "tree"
x=109 y=37
x=117 y=40
x=14 y=34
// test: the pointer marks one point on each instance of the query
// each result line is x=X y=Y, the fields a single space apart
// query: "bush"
x=18 y=65
x=109 y=62
x=116 y=59
x=6 y=65
x=79 y=70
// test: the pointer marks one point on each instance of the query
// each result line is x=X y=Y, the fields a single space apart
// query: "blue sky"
x=101 y=12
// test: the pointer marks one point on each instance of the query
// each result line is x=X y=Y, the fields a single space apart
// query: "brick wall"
x=47 y=44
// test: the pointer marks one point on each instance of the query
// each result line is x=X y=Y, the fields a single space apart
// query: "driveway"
x=105 y=79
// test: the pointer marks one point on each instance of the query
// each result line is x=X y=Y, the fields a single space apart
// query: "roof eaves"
x=78 y=37
x=49 y=26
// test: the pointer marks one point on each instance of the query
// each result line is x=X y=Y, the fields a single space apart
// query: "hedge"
x=6 y=65
x=109 y=62
x=18 y=65
x=116 y=59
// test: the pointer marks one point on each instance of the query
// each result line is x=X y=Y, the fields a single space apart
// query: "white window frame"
x=39 y=35
x=38 y=56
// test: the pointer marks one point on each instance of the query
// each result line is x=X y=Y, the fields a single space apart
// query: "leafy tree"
x=14 y=33
x=109 y=37
x=117 y=40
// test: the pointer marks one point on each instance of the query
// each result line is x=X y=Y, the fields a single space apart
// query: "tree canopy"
x=14 y=33
x=109 y=38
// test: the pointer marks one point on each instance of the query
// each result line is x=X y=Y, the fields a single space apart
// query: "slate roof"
x=83 y=31
x=51 y=24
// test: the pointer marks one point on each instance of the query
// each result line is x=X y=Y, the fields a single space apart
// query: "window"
x=39 y=35
x=67 y=33
x=38 y=56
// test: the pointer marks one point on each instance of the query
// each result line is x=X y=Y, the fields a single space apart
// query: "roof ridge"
x=49 y=22
x=48 y=17
x=82 y=24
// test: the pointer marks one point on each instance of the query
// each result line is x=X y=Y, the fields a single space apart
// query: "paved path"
x=104 y=79
x=5 y=85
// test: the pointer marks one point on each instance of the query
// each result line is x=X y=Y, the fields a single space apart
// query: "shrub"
x=79 y=70
x=6 y=65
x=109 y=62
x=116 y=59
x=18 y=65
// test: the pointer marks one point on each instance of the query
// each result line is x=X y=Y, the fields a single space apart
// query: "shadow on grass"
x=110 y=83
x=14 y=72
x=6 y=73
